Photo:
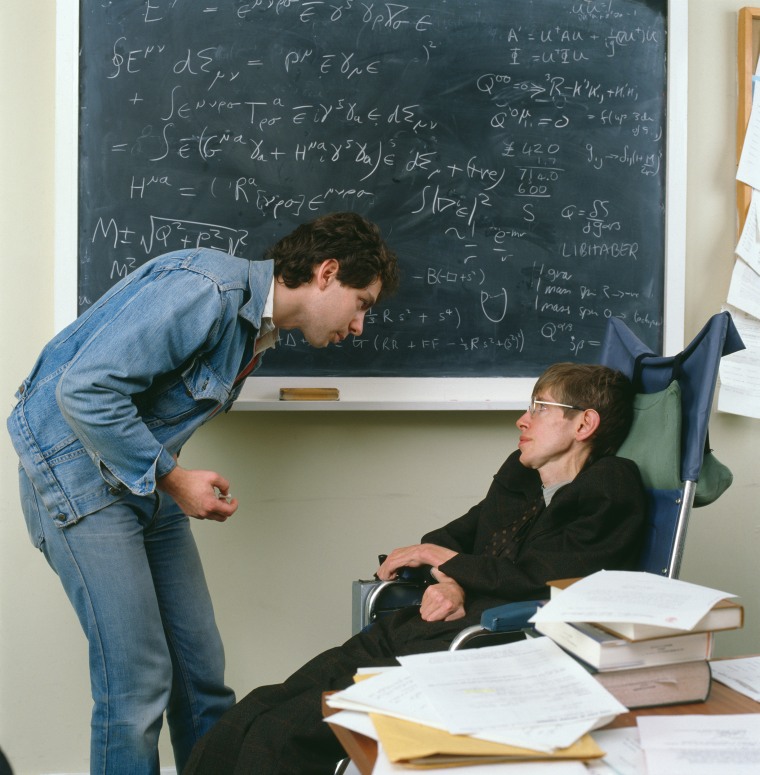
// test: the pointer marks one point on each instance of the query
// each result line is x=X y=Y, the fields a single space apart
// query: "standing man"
x=98 y=428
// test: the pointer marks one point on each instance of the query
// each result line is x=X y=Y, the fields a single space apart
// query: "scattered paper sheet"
x=540 y=737
x=740 y=372
x=742 y=675
x=531 y=682
x=623 y=753
x=701 y=745
x=392 y=692
x=631 y=596
x=398 y=696
x=528 y=695
x=355 y=721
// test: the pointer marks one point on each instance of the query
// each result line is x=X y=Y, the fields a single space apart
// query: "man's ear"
x=326 y=272
x=587 y=425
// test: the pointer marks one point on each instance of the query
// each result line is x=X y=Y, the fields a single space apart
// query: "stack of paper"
x=740 y=372
x=518 y=702
x=632 y=596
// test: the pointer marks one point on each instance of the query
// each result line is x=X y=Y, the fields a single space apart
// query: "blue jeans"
x=133 y=574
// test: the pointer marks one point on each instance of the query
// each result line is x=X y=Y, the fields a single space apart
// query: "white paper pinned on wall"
x=749 y=163
x=740 y=371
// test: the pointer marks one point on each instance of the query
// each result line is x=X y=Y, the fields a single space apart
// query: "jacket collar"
x=260 y=276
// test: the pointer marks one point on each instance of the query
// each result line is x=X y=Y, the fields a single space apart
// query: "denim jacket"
x=115 y=395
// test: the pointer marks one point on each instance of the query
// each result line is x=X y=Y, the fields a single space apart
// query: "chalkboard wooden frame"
x=376 y=393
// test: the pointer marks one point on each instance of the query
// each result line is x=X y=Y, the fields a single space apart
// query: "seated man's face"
x=546 y=435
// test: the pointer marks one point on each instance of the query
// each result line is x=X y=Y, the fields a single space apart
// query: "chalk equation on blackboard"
x=513 y=154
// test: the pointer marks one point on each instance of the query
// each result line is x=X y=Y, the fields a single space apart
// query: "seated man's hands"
x=413 y=557
x=444 y=601
x=441 y=602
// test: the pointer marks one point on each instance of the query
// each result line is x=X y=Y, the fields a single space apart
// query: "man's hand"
x=200 y=494
x=444 y=601
x=413 y=557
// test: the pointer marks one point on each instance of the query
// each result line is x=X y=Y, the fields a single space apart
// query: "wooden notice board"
x=514 y=154
x=748 y=50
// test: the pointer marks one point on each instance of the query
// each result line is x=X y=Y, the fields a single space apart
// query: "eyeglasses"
x=539 y=406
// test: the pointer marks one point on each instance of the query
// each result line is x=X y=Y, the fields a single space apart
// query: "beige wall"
x=332 y=490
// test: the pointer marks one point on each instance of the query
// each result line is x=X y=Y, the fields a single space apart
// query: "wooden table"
x=722 y=701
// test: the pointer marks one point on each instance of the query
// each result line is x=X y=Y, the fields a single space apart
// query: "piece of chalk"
x=221 y=496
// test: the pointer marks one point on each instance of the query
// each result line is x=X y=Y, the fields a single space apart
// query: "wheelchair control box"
x=360 y=589
x=371 y=599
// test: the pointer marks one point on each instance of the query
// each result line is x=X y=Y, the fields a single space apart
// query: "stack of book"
x=645 y=665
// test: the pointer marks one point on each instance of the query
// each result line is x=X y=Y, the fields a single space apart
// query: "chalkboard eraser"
x=309 y=394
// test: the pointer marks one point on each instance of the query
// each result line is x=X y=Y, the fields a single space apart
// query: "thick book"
x=606 y=651
x=647 y=687
x=724 y=615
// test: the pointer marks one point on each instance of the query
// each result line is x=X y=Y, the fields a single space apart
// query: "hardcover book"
x=606 y=651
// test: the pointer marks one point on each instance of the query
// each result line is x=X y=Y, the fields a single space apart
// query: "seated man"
x=561 y=506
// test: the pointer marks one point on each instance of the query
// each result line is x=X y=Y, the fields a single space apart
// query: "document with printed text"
x=740 y=371
x=531 y=682
x=529 y=694
x=741 y=675
x=631 y=596
x=701 y=745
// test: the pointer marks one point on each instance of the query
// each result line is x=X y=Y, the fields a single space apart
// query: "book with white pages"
x=605 y=651
x=726 y=615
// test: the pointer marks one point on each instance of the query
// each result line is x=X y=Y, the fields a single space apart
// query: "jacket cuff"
x=165 y=463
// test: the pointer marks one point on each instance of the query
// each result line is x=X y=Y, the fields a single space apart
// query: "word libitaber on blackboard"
x=512 y=152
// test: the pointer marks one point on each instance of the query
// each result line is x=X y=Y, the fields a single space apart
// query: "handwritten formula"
x=512 y=151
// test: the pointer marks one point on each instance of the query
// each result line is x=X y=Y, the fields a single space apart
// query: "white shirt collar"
x=268 y=332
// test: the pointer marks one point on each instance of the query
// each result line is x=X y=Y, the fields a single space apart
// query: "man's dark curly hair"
x=347 y=237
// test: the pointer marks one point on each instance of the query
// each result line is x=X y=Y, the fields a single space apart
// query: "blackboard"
x=513 y=153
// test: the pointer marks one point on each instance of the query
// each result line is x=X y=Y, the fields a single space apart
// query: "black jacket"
x=596 y=522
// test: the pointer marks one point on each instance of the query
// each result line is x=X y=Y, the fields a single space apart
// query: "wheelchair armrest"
x=403 y=593
x=510 y=616
x=502 y=620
